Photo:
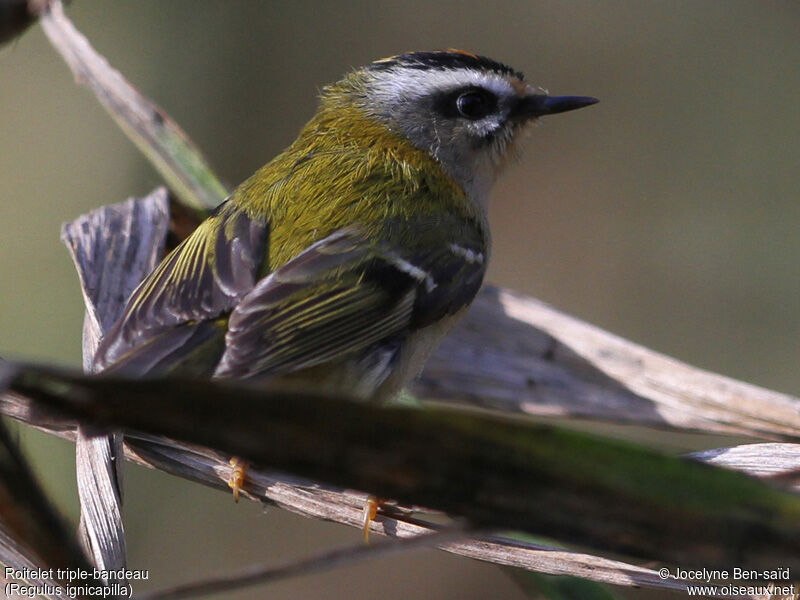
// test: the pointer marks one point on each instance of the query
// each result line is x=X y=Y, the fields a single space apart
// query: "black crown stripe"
x=444 y=59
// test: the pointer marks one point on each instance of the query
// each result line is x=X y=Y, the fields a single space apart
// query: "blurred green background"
x=667 y=214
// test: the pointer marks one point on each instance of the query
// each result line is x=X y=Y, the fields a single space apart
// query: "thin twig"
x=325 y=561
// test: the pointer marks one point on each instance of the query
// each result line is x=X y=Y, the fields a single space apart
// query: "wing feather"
x=346 y=293
x=202 y=279
x=202 y=310
x=328 y=302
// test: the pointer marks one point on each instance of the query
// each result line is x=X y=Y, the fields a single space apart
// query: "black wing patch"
x=202 y=279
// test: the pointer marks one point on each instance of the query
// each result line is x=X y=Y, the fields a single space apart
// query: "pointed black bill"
x=538 y=105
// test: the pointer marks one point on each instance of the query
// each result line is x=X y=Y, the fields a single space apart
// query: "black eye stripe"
x=467 y=103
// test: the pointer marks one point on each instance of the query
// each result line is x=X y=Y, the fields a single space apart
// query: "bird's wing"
x=171 y=317
x=347 y=292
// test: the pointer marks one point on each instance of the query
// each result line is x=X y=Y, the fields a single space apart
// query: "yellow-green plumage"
x=343 y=261
x=346 y=258
x=344 y=170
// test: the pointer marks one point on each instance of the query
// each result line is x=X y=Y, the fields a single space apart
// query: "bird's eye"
x=475 y=104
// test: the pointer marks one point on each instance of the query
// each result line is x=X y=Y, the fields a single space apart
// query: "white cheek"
x=400 y=96
x=487 y=126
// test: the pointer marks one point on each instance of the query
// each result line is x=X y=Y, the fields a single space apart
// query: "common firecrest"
x=342 y=262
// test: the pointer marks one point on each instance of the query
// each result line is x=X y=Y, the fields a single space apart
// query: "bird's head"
x=465 y=110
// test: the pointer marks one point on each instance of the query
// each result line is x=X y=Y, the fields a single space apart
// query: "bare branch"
x=496 y=473
x=779 y=462
x=308 y=499
x=211 y=468
x=516 y=354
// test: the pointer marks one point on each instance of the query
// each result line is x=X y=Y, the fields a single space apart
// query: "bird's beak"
x=538 y=105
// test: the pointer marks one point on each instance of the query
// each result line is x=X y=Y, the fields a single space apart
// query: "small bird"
x=342 y=262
